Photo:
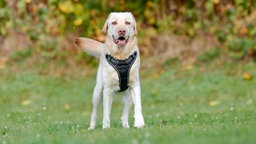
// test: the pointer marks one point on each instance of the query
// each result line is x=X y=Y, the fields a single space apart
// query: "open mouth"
x=120 y=40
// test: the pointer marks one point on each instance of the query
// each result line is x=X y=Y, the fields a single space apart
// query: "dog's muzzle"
x=121 y=40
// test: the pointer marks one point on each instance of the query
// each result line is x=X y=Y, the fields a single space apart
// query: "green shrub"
x=47 y=23
x=209 y=55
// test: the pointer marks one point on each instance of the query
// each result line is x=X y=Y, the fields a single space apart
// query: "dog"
x=118 y=69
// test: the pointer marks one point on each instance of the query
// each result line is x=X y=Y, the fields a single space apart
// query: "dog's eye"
x=127 y=23
x=114 y=23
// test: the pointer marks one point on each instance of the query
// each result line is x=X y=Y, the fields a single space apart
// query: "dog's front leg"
x=97 y=95
x=96 y=99
x=127 y=100
x=107 y=104
x=136 y=96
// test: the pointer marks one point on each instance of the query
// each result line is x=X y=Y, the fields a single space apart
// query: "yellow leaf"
x=67 y=107
x=3 y=62
x=188 y=67
x=149 y=4
x=151 y=20
x=63 y=8
x=66 y=7
x=215 y=1
x=78 y=22
x=247 y=76
x=28 y=1
x=26 y=102
x=155 y=75
x=243 y=30
x=2 y=66
x=78 y=9
x=213 y=103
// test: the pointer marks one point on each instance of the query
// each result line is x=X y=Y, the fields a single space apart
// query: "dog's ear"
x=105 y=27
x=134 y=24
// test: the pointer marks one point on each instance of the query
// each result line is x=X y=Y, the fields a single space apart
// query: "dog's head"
x=120 y=26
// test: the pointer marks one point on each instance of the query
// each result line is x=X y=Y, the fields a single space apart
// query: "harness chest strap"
x=122 y=68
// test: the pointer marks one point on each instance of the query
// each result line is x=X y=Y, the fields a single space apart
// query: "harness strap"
x=122 y=68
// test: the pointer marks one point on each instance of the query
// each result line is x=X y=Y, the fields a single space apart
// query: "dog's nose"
x=121 y=32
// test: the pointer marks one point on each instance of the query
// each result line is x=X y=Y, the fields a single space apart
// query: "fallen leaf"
x=213 y=103
x=66 y=107
x=26 y=102
x=2 y=66
x=188 y=67
x=247 y=76
x=243 y=30
x=3 y=62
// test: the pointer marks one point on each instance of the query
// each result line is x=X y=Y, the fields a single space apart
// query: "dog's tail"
x=92 y=47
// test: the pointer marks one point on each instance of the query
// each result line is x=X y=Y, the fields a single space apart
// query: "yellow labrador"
x=118 y=69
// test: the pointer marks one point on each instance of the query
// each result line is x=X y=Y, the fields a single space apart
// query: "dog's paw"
x=125 y=124
x=91 y=127
x=139 y=121
x=139 y=124
x=105 y=125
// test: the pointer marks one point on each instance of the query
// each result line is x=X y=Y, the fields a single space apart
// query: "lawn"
x=203 y=104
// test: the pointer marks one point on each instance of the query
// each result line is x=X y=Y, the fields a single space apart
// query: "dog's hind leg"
x=127 y=100
x=97 y=97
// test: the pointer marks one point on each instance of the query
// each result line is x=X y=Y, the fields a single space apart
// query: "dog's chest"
x=120 y=71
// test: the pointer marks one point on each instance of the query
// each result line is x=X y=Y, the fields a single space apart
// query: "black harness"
x=122 y=68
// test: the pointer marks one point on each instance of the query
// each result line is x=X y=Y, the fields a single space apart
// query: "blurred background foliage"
x=43 y=30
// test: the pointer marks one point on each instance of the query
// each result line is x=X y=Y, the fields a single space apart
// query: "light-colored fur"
x=107 y=78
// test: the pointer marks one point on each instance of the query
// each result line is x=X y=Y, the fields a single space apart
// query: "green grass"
x=176 y=107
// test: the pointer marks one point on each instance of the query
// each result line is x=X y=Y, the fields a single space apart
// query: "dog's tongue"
x=121 y=42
